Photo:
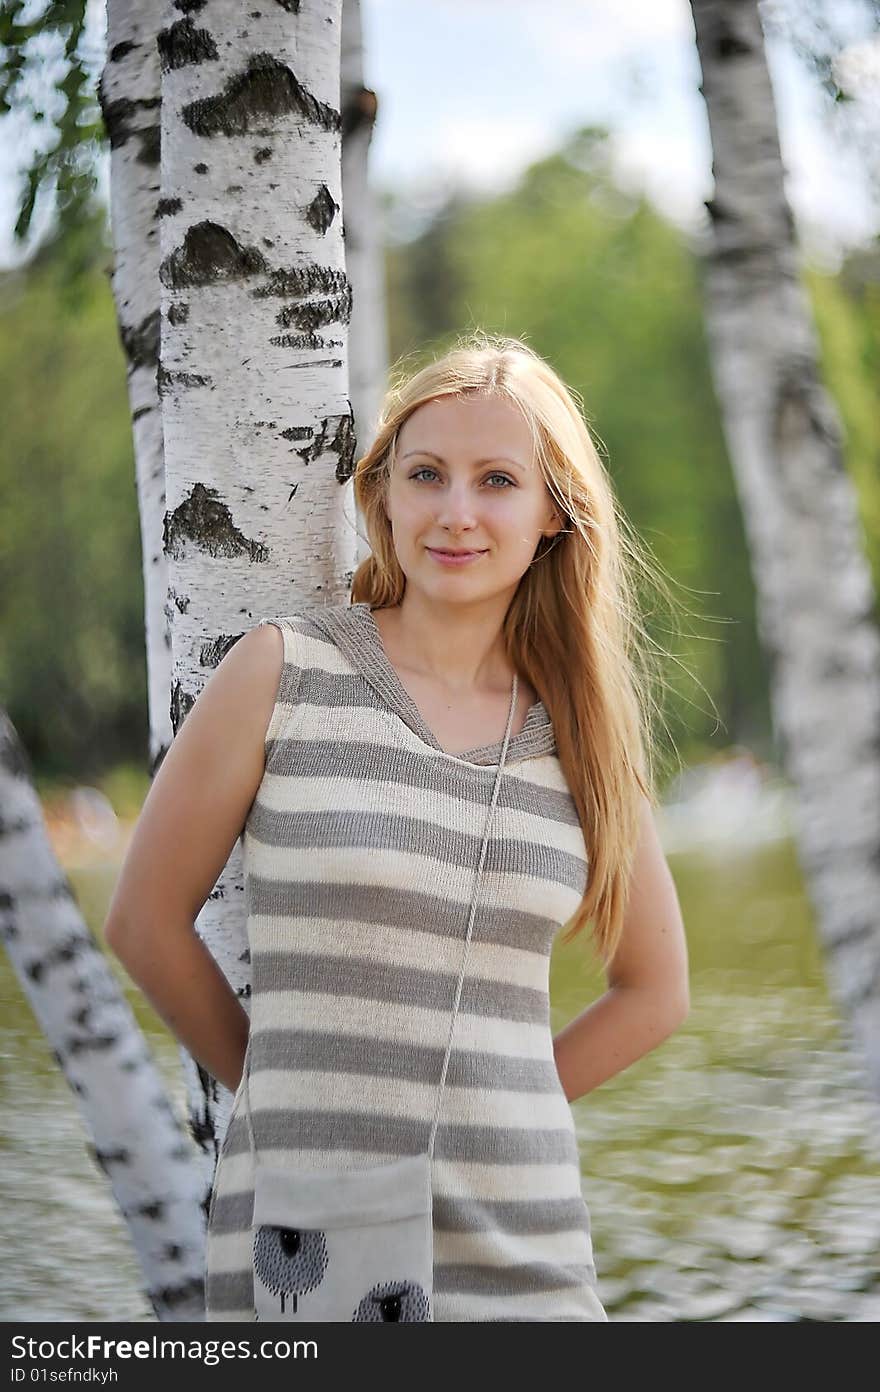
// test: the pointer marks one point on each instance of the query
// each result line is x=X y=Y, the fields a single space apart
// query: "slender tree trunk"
x=130 y=96
x=816 y=605
x=137 y=1140
x=368 y=334
x=253 y=377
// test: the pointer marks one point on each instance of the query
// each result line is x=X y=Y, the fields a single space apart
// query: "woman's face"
x=465 y=480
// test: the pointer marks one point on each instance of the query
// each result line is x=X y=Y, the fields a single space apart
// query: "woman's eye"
x=426 y=469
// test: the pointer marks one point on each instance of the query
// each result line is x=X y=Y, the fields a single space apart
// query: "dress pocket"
x=344 y=1245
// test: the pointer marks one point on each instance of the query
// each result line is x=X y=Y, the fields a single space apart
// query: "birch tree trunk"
x=364 y=246
x=137 y=1140
x=130 y=96
x=816 y=605
x=253 y=379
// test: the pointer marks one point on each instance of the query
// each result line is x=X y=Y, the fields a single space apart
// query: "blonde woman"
x=354 y=747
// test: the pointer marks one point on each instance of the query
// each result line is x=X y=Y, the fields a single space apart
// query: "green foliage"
x=72 y=659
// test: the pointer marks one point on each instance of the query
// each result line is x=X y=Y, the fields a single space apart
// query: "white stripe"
x=325 y=793
x=451 y=1178
x=399 y=947
x=386 y=1020
x=363 y=1094
x=406 y=871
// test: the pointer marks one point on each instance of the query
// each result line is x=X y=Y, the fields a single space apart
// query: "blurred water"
x=733 y=1174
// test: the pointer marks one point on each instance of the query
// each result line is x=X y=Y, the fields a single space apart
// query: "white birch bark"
x=364 y=244
x=816 y=605
x=130 y=96
x=136 y=1138
x=253 y=378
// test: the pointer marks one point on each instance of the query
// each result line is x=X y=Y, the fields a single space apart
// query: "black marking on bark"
x=200 y=168
x=322 y=210
x=106 y=1158
x=141 y=342
x=297 y=432
x=151 y=146
x=153 y=1208
x=190 y=1293
x=291 y=6
x=359 y=111
x=209 y=254
x=93 y=1043
x=166 y=380
x=213 y=652
x=181 y=705
x=311 y=341
x=168 y=205
x=141 y=411
x=172 y=1251
x=180 y=603
x=183 y=44
x=266 y=90
x=267 y=241
x=341 y=444
x=59 y=956
x=121 y=123
x=204 y=521
x=244 y=992
x=130 y=1065
x=304 y=280
x=245 y=956
x=316 y=362
x=178 y=313
x=201 y=1131
x=728 y=43
x=119 y=51
x=189 y=6
x=314 y=314
x=262 y=154
x=233 y=188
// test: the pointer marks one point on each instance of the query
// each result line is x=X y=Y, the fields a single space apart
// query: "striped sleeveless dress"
x=359 y=854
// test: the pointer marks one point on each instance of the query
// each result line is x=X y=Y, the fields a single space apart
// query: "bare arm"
x=190 y=821
x=648 y=996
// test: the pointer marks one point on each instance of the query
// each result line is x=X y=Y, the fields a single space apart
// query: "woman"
x=355 y=747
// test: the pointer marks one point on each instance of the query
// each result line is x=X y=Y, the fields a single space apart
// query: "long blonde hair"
x=572 y=628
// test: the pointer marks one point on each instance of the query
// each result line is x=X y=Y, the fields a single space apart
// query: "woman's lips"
x=455 y=559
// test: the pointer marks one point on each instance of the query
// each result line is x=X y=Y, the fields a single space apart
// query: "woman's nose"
x=456 y=506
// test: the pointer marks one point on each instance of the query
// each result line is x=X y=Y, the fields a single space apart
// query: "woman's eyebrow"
x=493 y=459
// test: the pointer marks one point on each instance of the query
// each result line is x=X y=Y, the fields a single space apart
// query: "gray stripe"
x=372 y=761
x=366 y=831
x=506 y=1216
x=368 y=979
x=234 y=1290
x=233 y=1214
x=299 y=1128
x=325 y=1051
x=525 y=1278
x=500 y=924
x=229 y=1290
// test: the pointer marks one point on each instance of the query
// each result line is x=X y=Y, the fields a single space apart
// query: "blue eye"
x=426 y=469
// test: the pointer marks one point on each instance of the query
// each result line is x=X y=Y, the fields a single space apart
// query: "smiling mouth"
x=442 y=551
